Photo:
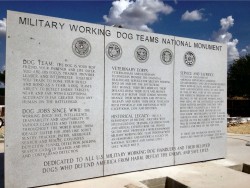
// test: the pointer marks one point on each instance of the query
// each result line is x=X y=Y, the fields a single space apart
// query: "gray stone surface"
x=54 y=101
x=210 y=174
x=237 y=154
x=146 y=105
x=92 y=100
x=200 y=100
x=1 y=165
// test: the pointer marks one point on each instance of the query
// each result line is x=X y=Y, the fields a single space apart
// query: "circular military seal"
x=113 y=50
x=141 y=54
x=189 y=58
x=166 y=56
x=81 y=47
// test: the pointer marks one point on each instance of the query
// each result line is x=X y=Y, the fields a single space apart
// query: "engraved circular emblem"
x=141 y=54
x=166 y=56
x=113 y=50
x=189 y=58
x=81 y=47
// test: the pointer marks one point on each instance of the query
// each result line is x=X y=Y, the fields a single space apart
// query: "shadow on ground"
x=1 y=170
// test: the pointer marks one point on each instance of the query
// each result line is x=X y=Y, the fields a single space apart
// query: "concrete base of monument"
x=230 y=172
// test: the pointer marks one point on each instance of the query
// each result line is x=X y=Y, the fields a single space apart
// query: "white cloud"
x=136 y=14
x=195 y=15
x=226 y=23
x=223 y=36
x=232 y=51
x=3 y=26
x=245 y=51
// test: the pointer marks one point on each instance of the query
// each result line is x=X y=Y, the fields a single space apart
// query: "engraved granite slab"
x=86 y=100
x=138 y=128
x=54 y=100
x=200 y=100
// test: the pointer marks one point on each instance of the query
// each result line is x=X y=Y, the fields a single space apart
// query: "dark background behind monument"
x=236 y=107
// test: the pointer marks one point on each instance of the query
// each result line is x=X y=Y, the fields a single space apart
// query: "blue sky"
x=222 y=21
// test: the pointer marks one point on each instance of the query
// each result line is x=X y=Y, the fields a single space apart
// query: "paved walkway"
x=237 y=149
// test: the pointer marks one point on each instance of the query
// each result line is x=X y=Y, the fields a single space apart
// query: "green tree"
x=2 y=77
x=238 y=78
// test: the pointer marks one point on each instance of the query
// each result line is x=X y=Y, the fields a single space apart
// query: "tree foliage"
x=238 y=78
x=2 y=77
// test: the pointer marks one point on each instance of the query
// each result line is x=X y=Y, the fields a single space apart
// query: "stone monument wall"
x=86 y=100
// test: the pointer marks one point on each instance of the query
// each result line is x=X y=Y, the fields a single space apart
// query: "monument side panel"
x=138 y=127
x=54 y=100
x=200 y=97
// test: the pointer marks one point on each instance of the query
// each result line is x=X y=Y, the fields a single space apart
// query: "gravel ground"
x=1 y=132
x=239 y=129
